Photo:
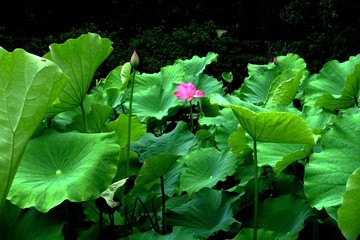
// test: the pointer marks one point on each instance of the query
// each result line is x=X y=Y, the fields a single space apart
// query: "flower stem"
x=191 y=118
x=132 y=83
x=256 y=192
x=84 y=117
x=163 y=230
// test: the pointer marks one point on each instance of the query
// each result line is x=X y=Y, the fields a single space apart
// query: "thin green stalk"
x=84 y=117
x=191 y=118
x=132 y=83
x=256 y=192
x=315 y=227
x=163 y=220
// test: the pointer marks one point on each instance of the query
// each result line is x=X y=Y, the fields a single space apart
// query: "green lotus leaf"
x=276 y=127
x=263 y=80
x=121 y=128
x=79 y=59
x=177 y=233
x=328 y=171
x=125 y=75
x=349 y=94
x=155 y=102
x=225 y=124
x=196 y=65
x=154 y=168
x=280 y=155
x=28 y=86
x=205 y=168
x=208 y=212
x=64 y=166
x=17 y=223
x=284 y=215
x=149 y=145
x=328 y=88
x=168 y=77
x=237 y=141
x=262 y=234
x=285 y=87
x=349 y=212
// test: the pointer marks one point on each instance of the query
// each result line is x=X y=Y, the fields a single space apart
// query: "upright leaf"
x=28 y=86
x=79 y=59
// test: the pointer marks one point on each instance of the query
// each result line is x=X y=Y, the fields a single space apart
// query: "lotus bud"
x=134 y=61
x=276 y=61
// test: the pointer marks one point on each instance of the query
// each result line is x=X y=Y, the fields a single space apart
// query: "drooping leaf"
x=149 y=145
x=349 y=212
x=276 y=127
x=208 y=212
x=28 y=86
x=64 y=166
x=328 y=171
x=79 y=59
x=205 y=167
x=284 y=215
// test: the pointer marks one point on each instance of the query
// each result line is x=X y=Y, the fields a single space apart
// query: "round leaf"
x=60 y=166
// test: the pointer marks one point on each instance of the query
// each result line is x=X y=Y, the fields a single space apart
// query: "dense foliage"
x=137 y=155
x=163 y=31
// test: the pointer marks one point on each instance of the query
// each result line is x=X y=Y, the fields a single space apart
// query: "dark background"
x=162 y=31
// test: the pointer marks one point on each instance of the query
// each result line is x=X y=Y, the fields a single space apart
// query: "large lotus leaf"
x=196 y=65
x=257 y=85
x=178 y=141
x=349 y=212
x=17 y=223
x=208 y=212
x=285 y=87
x=79 y=59
x=121 y=128
x=284 y=215
x=276 y=127
x=155 y=102
x=328 y=171
x=167 y=78
x=205 y=168
x=64 y=166
x=28 y=86
x=154 y=168
x=349 y=94
x=329 y=84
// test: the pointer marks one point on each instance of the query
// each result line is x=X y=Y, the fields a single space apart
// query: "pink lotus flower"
x=188 y=91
